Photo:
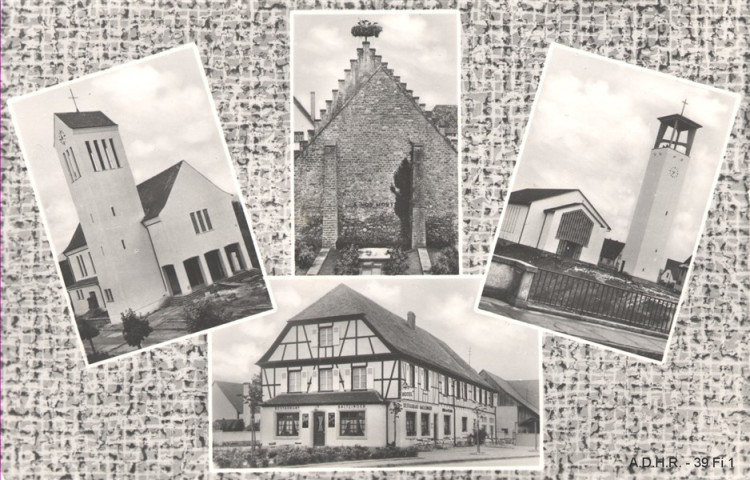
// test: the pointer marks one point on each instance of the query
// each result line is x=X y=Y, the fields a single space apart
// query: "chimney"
x=411 y=320
x=312 y=105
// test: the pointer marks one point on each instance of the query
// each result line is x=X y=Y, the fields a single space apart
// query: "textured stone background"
x=146 y=415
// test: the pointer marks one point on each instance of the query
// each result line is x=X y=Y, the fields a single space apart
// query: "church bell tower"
x=644 y=253
x=110 y=212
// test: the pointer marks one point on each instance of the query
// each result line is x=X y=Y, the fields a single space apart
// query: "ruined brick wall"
x=373 y=134
x=146 y=415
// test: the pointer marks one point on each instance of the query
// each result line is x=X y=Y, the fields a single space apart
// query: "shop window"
x=446 y=424
x=411 y=424
x=287 y=424
x=425 y=424
x=359 y=378
x=464 y=424
x=352 y=424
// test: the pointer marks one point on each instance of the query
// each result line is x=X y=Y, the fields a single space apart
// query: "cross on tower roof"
x=684 y=104
x=73 y=97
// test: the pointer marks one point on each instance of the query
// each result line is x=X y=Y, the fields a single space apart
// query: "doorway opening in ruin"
x=402 y=190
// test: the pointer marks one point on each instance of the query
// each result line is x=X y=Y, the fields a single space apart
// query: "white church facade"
x=138 y=245
x=561 y=221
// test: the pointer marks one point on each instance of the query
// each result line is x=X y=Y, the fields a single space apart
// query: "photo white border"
x=232 y=171
x=418 y=468
x=459 y=120
x=554 y=46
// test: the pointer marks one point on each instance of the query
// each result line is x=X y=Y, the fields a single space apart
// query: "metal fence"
x=578 y=295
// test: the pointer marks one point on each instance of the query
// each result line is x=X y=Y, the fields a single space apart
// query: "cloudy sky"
x=444 y=307
x=163 y=109
x=594 y=125
x=420 y=48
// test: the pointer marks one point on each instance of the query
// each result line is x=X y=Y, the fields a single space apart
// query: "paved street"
x=621 y=339
x=454 y=457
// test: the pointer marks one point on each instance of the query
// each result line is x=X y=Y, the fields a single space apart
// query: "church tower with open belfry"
x=111 y=243
x=645 y=253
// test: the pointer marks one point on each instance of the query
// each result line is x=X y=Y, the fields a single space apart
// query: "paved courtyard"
x=245 y=297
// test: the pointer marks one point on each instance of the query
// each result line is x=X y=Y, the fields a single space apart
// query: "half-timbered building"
x=346 y=371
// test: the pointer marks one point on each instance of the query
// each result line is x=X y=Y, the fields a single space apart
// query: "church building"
x=378 y=169
x=560 y=221
x=645 y=252
x=346 y=371
x=138 y=245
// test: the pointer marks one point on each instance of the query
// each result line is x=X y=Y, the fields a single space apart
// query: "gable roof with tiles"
x=417 y=344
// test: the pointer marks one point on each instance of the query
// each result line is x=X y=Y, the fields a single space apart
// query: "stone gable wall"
x=373 y=134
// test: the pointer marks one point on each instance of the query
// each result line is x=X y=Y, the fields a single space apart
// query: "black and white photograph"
x=607 y=202
x=141 y=204
x=363 y=373
x=375 y=142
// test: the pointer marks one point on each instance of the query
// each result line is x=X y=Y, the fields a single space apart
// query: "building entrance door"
x=215 y=268
x=171 y=274
x=93 y=302
x=193 y=270
x=319 y=431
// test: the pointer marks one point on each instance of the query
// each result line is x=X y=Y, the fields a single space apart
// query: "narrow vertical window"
x=91 y=155
x=208 y=220
x=72 y=155
x=195 y=223
x=99 y=154
x=106 y=153
x=200 y=220
x=67 y=166
x=91 y=259
x=113 y=211
x=114 y=152
x=123 y=244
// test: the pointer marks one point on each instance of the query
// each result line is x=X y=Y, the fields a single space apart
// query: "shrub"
x=240 y=457
x=447 y=262
x=398 y=264
x=229 y=425
x=204 y=314
x=135 y=328
x=98 y=357
x=310 y=232
x=348 y=261
x=305 y=255
x=441 y=231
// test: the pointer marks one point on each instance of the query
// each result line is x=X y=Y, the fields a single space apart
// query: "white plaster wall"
x=130 y=272
x=375 y=426
x=513 y=222
x=645 y=248
x=174 y=237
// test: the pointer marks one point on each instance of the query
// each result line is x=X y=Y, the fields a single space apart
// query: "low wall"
x=509 y=280
x=223 y=437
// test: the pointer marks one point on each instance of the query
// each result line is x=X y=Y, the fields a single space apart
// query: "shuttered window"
x=575 y=227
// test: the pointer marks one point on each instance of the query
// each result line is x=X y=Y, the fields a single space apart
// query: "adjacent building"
x=611 y=250
x=516 y=408
x=346 y=371
x=227 y=401
x=378 y=169
x=138 y=245
x=561 y=221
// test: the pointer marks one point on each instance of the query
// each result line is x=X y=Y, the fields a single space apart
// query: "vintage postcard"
x=361 y=373
x=607 y=202
x=141 y=204
x=375 y=125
